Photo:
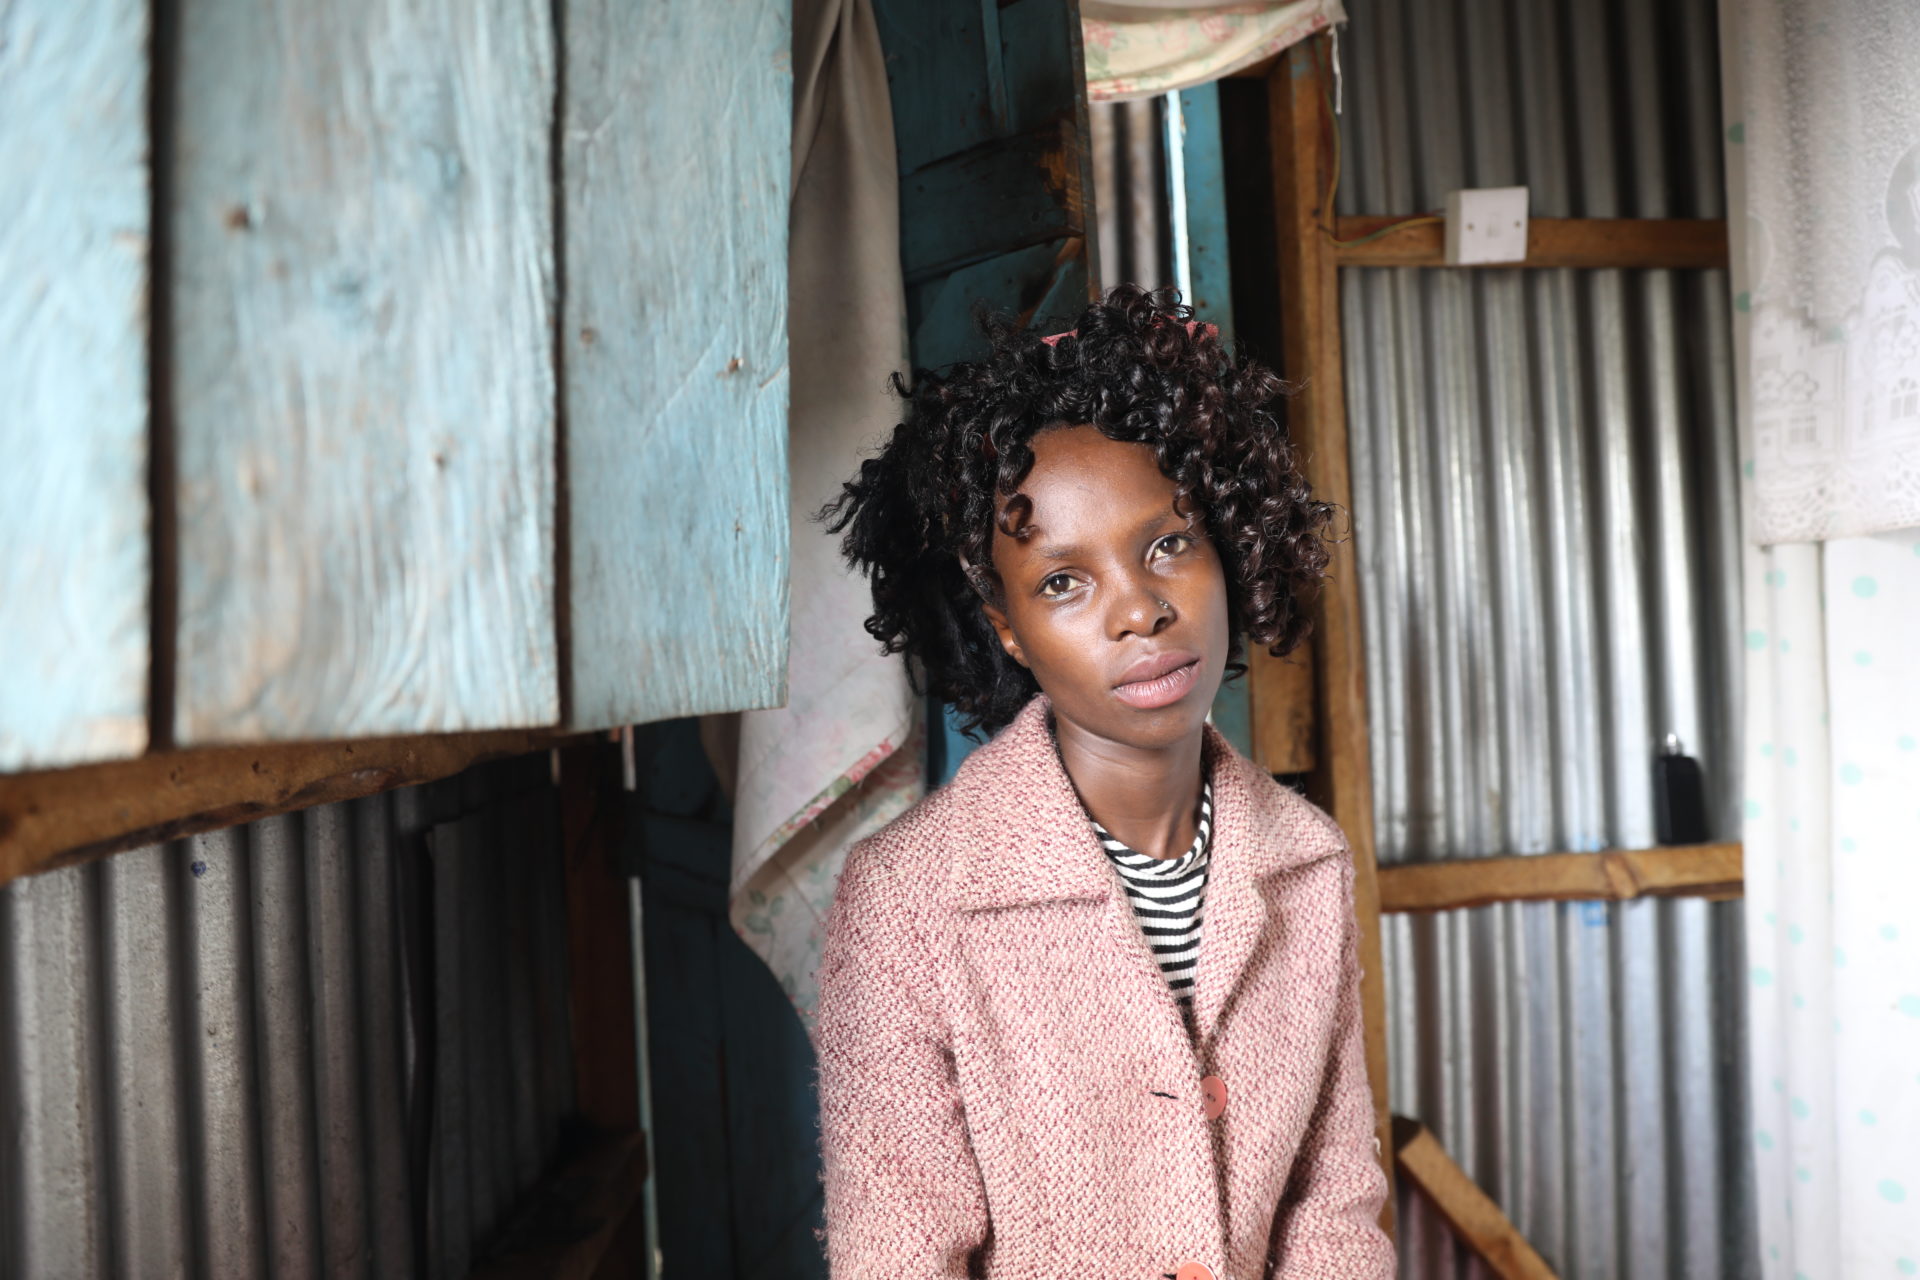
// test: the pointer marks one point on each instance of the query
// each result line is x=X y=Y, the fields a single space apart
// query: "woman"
x=1092 y=1009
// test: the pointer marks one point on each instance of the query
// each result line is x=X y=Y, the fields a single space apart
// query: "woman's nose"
x=1144 y=612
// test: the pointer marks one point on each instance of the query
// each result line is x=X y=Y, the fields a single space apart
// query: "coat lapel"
x=1236 y=913
x=1034 y=845
x=1030 y=843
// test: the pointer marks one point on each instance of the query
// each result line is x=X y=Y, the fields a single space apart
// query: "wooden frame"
x=1341 y=779
x=1682 y=243
x=1313 y=245
x=1701 y=870
x=1471 y=1212
x=59 y=817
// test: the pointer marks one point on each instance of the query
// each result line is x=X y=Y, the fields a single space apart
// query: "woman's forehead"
x=1085 y=485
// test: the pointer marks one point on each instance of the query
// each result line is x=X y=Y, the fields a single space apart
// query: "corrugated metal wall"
x=333 y=1042
x=1544 y=472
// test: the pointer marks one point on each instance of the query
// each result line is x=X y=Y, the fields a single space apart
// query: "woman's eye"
x=1057 y=584
x=1172 y=545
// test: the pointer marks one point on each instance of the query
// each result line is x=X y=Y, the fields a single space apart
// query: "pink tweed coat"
x=1006 y=1085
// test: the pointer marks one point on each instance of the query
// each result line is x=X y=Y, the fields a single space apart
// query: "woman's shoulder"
x=993 y=793
x=922 y=839
x=1274 y=805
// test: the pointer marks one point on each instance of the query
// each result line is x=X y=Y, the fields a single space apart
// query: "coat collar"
x=1028 y=839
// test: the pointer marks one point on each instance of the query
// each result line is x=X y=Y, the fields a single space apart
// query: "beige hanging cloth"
x=843 y=756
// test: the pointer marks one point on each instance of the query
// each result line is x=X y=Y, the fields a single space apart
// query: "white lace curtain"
x=1823 y=131
x=1828 y=132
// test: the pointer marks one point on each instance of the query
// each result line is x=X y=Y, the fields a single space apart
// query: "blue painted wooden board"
x=948 y=52
x=1206 y=192
x=362 y=321
x=1044 y=63
x=74 y=229
x=1047 y=282
x=968 y=207
x=676 y=156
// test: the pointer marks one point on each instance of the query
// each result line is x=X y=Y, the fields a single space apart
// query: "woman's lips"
x=1163 y=689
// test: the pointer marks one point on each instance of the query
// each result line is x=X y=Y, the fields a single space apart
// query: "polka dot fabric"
x=1833 y=904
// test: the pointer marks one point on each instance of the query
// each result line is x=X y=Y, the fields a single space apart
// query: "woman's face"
x=1112 y=598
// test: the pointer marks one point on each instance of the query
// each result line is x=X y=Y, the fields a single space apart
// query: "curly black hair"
x=1138 y=370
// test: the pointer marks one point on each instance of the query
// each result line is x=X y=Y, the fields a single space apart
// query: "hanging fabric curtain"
x=1823 y=135
x=1143 y=48
x=1830 y=124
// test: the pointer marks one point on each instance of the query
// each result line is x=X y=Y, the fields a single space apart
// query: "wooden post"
x=1341 y=780
x=1280 y=694
x=599 y=964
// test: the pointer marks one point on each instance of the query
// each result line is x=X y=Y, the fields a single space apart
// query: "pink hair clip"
x=1212 y=330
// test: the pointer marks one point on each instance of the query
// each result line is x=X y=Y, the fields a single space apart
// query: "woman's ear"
x=984 y=586
x=1004 y=629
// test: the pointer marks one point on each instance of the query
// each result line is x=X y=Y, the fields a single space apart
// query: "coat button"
x=1213 y=1093
x=1193 y=1271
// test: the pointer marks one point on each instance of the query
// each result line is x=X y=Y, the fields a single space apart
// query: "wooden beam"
x=593 y=824
x=1280 y=710
x=565 y=1227
x=1342 y=781
x=1698 y=870
x=58 y=817
x=1472 y=1214
x=1680 y=243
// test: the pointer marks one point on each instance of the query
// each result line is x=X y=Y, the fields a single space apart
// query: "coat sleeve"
x=904 y=1197
x=1330 y=1216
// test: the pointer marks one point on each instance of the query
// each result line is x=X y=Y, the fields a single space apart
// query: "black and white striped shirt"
x=1167 y=896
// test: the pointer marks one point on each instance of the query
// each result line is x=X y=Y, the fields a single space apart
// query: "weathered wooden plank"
x=74 y=234
x=1695 y=871
x=1471 y=1212
x=1021 y=191
x=362 y=319
x=593 y=809
x=61 y=817
x=1679 y=243
x=944 y=71
x=1280 y=693
x=1043 y=62
x=675 y=156
x=1342 y=780
x=1043 y=283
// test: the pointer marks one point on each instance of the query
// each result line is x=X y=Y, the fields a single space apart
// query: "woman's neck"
x=1148 y=799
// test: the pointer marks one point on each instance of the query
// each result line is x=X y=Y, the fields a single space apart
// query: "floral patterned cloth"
x=1143 y=48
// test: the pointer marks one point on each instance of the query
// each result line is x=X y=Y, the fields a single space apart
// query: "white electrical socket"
x=1487 y=225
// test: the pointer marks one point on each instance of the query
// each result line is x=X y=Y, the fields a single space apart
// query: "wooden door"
x=996 y=182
